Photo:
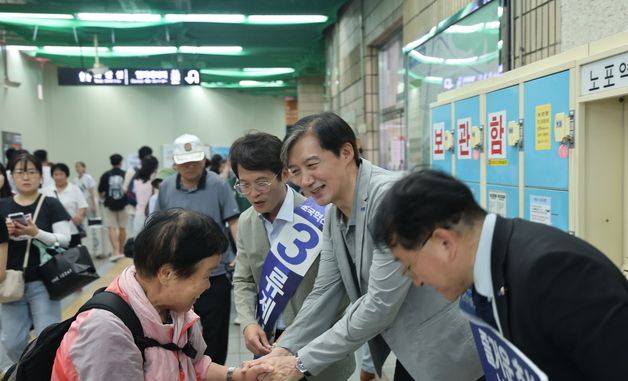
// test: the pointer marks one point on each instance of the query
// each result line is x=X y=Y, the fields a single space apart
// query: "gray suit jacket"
x=253 y=246
x=427 y=333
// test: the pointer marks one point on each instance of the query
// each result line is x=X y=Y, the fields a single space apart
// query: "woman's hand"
x=10 y=226
x=29 y=229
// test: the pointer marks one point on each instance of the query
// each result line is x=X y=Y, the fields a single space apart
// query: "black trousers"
x=401 y=374
x=214 y=307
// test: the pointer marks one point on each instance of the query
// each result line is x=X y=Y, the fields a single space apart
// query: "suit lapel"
x=499 y=258
x=361 y=194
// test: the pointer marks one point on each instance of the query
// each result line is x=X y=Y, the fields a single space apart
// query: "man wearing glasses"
x=428 y=335
x=255 y=159
x=194 y=188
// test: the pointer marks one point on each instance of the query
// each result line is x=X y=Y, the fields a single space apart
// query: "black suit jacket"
x=564 y=303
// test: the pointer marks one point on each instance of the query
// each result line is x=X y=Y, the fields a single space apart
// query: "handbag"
x=66 y=270
x=12 y=288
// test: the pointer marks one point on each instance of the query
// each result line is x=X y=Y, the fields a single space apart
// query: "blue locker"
x=475 y=189
x=502 y=197
x=441 y=122
x=502 y=106
x=544 y=205
x=544 y=167
x=467 y=115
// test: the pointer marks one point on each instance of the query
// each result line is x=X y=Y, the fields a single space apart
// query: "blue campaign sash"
x=290 y=257
x=501 y=360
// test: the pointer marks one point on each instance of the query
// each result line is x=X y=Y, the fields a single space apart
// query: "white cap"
x=188 y=148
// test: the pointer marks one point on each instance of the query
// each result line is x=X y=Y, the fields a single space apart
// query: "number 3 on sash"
x=302 y=246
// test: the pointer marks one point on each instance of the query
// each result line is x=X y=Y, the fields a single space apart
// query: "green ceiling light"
x=220 y=85
x=73 y=50
x=210 y=49
x=248 y=72
x=247 y=83
x=119 y=17
x=143 y=50
x=51 y=16
x=209 y=18
x=285 y=19
x=21 y=48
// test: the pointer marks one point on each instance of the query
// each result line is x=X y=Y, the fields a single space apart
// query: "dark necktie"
x=484 y=308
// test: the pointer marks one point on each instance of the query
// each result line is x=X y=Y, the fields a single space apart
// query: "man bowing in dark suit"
x=557 y=298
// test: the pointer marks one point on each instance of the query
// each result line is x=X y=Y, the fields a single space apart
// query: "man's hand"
x=255 y=340
x=284 y=368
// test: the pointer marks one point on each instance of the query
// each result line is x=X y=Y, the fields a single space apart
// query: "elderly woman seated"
x=174 y=255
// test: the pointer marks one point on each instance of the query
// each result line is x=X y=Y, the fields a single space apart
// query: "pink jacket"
x=99 y=346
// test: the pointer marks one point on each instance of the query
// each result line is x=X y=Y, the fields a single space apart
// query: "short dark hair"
x=115 y=159
x=215 y=162
x=331 y=131
x=257 y=151
x=179 y=237
x=24 y=159
x=144 y=151
x=41 y=154
x=149 y=166
x=419 y=203
x=61 y=167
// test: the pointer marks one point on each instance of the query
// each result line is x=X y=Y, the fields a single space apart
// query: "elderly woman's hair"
x=181 y=238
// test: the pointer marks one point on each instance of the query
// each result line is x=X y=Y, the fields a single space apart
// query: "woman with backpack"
x=42 y=218
x=174 y=256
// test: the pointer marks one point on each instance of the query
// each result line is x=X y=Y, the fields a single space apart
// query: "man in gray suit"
x=430 y=338
x=255 y=159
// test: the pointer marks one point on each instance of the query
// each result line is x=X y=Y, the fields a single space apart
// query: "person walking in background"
x=87 y=184
x=42 y=155
x=143 y=189
x=70 y=197
x=110 y=187
x=194 y=188
x=558 y=299
x=49 y=224
x=5 y=187
x=128 y=187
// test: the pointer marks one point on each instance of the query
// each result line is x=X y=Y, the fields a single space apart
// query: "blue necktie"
x=484 y=308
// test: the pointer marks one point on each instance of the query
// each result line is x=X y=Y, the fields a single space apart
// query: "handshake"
x=279 y=364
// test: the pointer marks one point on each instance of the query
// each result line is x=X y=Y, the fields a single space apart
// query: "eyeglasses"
x=405 y=270
x=28 y=173
x=261 y=186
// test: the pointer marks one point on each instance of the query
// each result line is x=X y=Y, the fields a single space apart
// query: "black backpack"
x=38 y=357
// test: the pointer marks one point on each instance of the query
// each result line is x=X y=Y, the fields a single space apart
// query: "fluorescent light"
x=21 y=48
x=86 y=50
x=15 y=15
x=268 y=70
x=249 y=72
x=210 y=49
x=285 y=19
x=123 y=17
x=145 y=50
x=247 y=83
x=215 y=18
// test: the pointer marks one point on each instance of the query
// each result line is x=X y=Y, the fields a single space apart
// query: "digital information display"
x=129 y=77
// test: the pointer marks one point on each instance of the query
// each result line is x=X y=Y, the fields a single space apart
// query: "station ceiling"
x=290 y=47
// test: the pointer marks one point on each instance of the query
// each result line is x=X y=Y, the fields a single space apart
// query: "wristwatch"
x=301 y=368
x=230 y=371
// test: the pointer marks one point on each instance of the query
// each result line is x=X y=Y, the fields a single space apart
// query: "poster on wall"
x=497 y=203
x=11 y=140
x=542 y=131
x=541 y=209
